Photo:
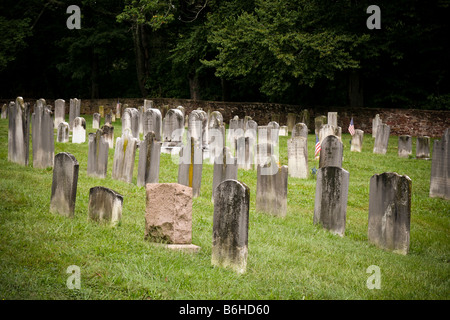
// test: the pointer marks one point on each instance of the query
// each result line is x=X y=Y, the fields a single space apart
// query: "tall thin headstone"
x=423 y=147
x=124 y=157
x=332 y=119
x=152 y=122
x=130 y=120
x=357 y=141
x=440 y=167
x=62 y=134
x=319 y=121
x=190 y=166
x=298 y=157
x=79 y=130
x=404 y=146
x=173 y=128
x=225 y=167
x=74 y=111
x=4 y=111
x=60 y=112
x=375 y=123
x=96 y=119
x=43 y=139
x=382 y=139
x=108 y=135
x=19 y=132
x=149 y=157
x=291 y=120
x=97 y=155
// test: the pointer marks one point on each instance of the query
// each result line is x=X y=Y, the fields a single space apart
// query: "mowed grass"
x=289 y=258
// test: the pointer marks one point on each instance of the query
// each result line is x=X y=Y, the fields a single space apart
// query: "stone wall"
x=402 y=121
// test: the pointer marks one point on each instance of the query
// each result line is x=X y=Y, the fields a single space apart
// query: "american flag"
x=351 y=127
x=318 y=147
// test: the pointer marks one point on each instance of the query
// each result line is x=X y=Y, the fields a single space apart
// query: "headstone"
x=130 y=120
x=105 y=205
x=60 y=112
x=101 y=111
x=404 y=146
x=118 y=110
x=149 y=155
x=298 y=157
x=79 y=130
x=182 y=109
x=108 y=118
x=332 y=119
x=382 y=139
x=141 y=119
x=152 y=122
x=330 y=206
x=43 y=140
x=327 y=130
x=319 y=121
x=64 y=184
x=271 y=189
x=74 y=111
x=331 y=153
x=173 y=128
x=273 y=134
x=304 y=117
x=168 y=213
x=62 y=134
x=291 y=120
x=440 y=167
x=423 y=147
x=357 y=140
x=108 y=135
x=375 y=123
x=97 y=155
x=19 y=132
x=196 y=126
x=225 y=167
x=216 y=135
x=124 y=157
x=230 y=225
x=190 y=166
x=148 y=104
x=4 y=111
x=96 y=119
x=244 y=155
x=283 y=131
x=300 y=130
x=390 y=211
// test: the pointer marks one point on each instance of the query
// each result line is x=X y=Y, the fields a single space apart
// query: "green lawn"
x=289 y=258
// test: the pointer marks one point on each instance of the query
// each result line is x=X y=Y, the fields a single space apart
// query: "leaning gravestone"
x=105 y=205
x=64 y=184
x=79 y=130
x=423 y=147
x=19 y=131
x=298 y=157
x=404 y=146
x=152 y=122
x=440 y=167
x=382 y=139
x=60 y=112
x=97 y=155
x=149 y=156
x=62 y=134
x=124 y=157
x=390 y=211
x=225 y=167
x=331 y=153
x=375 y=123
x=330 y=206
x=74 y=111
x=42 y=133
x=190 y=166
x=230 y=225
x=96 y=119
x=357 y=140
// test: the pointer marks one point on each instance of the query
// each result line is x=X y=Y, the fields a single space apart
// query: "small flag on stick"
x=351 y=127
x=318 y=148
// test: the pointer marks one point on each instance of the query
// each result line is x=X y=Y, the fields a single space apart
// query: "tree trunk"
x=355 y=90
x=194 y=86
x=140 y=53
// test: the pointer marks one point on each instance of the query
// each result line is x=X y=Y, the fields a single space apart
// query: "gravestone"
x=243 y=152
x=96 y=119
x=382 y=139
x=173 y=128
x=300 y=130
x=108 y=135
x=271 y=189
x=19 y=131
x=375 y=123
x=105 y=205
x=328 y=130
x=196 y=126
x=404 y=146
x=79 y=130
x=225 y=167
x=141 y=119
x=319 y=121
x=101 y=111
x=149 y=155
x=390 y=211
x=190 y=166
x=330 y=206
x=64 y=184
x=298 y=157
x=290 y=121
x=182 y=109
x=108 y=118
x=357 y=141
x=264 y=152
x=42 y=132
x=62 y=134
x=331 y=153
x=118 y=110
x=148 y=104
x=423 y=147
x=168 y=213
x=440 y=167
x=283 y=131
x=4 y=111
x=152 y=122
x=130 y=120
x=216 y=135
x=230 y=225
x=124 y=157
x=74 y=111
x=97 y=155
x=304 y=117
x=60 y=112
x=332 y=119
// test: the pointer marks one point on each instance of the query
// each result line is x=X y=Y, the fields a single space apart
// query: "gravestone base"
x=187 y=248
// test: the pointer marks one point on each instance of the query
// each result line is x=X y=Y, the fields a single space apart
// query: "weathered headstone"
x=196 y=126
x=97 y=155
x=327 y=130
x=96 y=119
x=375 y=123
x=357 y=141
x=230 y=225
x=330 y=206
x=331 y=153
x=108 y=118
x=423 y=147
x=404 y=146
x=118 y=110
x=390 y=211
x=105 y=205
x=42 y=132
x=381 y=139
x=298 y=157
x=216 y=135
x=290 y=121
x=19 y=132
x=4 y=111
x=60 y=112
x=74 y=111
x=283 y=131
x=173 y=128
x=64 y=184
x=319 y=121
x=300 y=130
x=332 y=119
x=62 y=134
x=79 y=130
x=304 y=117
x=141 y=119
x=264 y=152
x=101 y=111
x=148 y=104
x=108 y=135
x=190 y=166
x=152 y=122
x=149 y=156
x=130 y=120
x=124 y=157
x=225 y=167
x=440 y=167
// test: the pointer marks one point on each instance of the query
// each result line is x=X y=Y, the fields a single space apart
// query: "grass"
x=289 y=258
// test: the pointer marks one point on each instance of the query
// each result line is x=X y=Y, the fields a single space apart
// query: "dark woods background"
x=299 y=52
